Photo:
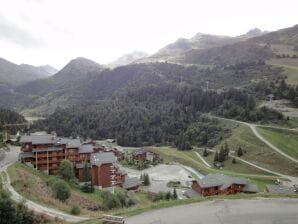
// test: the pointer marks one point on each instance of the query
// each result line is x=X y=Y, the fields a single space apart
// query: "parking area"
x=162 y=174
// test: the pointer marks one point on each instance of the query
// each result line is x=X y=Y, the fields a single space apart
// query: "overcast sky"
x=55 y=31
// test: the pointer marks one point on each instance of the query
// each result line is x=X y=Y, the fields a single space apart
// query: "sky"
x=53 y=32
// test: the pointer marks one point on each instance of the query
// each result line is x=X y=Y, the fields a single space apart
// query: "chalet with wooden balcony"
x=46 y=151
x=214 y=184
x=145 y=155
x=104 y=170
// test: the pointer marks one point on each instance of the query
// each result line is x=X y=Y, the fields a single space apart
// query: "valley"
x=210 y=106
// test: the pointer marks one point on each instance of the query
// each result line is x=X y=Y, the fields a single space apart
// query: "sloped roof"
x=49 y=149
x=71 y=143
x=209 y=181
x=131 y=182
x=220 y=180
x=38 y=139
x=86 y=148
x=97 y=159
x=24 y=155
x=251 y=188
x=190 y=193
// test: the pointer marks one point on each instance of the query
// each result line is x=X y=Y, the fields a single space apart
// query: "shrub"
x=61 y=190
x=87 y=188
x=239 y=152
x=75 y=210
x=66 y=170
x=110 y=201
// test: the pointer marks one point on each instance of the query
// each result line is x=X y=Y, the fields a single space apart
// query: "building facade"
x=45 y=152
x=215 y=184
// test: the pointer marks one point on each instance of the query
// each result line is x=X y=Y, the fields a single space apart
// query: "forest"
x=166 y=114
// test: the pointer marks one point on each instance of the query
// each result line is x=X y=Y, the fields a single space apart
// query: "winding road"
x=10 y=158
x=253 y=127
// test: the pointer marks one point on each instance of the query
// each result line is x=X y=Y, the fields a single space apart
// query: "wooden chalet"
x=214 y=184
x=145 y=155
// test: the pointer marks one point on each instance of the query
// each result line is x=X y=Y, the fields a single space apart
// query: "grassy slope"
x=283 y=139
x=259 y=153
x=290 y=66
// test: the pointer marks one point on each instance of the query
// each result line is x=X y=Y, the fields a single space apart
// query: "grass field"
x=290 y=66
x=258 y=152
x=239 y=167
x=285 y=140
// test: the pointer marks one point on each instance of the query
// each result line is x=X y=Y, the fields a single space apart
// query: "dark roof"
x=38 y=139
x=190 y=193
x=251 y=188
x=88 y=148
x=220 y=180
x=131 y=182
x=280 y=189
x=24 y=155
x=97 y=159
x=71 y=143
x=49 y=149
x=209 y=181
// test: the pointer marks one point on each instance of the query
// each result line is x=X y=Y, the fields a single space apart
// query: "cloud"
x=13 y=33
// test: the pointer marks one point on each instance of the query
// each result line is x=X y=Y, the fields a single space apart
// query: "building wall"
x=102 y=176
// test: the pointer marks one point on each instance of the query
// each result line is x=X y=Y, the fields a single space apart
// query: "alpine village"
x=205 y=128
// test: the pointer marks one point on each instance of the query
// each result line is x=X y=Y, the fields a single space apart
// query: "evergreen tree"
x=175 y=196
x=221 y=154
x=216 y=157
x=86 y=173
x=146 y=179
x=234 y=161
x=226 y=151
x=205 y=152
x=239 y=152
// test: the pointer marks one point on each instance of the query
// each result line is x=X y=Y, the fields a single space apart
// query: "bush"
x=75 y=210
x=239 y=152
x=66 y=170
x=87 y=188
x=61 y=190
x=145 y=178
x=110 y=201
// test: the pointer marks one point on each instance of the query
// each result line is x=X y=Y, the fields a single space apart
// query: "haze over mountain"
x=175 y=52
x=13 y=74
x=128 y=58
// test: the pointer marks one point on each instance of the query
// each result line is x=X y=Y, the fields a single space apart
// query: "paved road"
x=10 y=158
x=259 y=211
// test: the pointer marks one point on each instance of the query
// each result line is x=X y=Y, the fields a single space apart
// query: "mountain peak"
x=79 y=67
x=129 y=58
x=254 y=32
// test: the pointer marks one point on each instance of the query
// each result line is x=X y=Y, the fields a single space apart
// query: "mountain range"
x=219 y=60
x=13 y=74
